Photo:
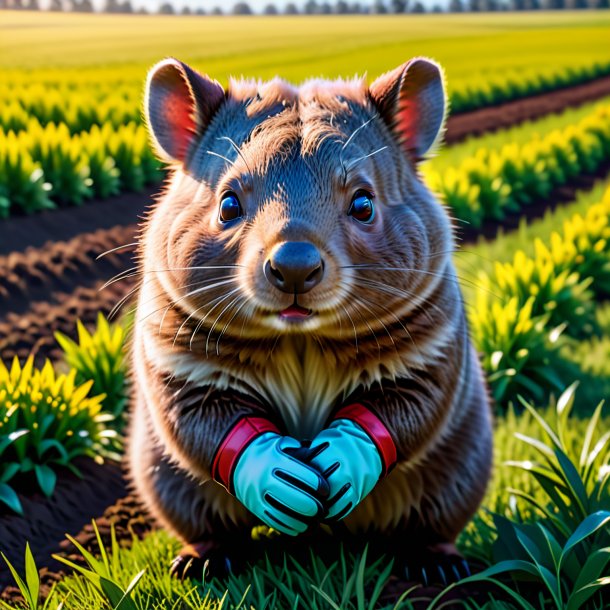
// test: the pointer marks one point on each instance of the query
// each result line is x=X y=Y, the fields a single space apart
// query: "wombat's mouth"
x=295 y=313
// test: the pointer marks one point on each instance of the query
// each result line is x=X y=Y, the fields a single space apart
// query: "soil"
x=63 y=266
x=20 y=232
x=492 y=118
x=564 y=194
x=46 y=520
x=33 y=332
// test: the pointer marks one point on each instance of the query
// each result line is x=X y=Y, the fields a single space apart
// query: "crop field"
x=525 y=175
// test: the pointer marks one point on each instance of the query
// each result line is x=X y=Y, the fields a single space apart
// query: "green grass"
x=107 y=47
x=350 y=581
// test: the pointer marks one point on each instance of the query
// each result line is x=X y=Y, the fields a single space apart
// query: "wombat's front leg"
x=232 y=439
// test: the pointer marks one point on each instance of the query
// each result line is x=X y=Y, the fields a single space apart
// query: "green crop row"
x=49 y=418
x=527 y=309
x=42 y=167
x=493 y=89
x=495 y=181
x=81 y=107
x=46 y=421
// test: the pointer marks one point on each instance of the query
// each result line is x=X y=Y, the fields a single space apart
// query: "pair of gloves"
x=290 y=486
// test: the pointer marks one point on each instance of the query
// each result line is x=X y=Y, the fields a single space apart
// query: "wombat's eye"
x=230 y=208
x=362 y=208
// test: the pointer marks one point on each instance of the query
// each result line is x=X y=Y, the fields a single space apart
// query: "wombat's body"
x=377 y=321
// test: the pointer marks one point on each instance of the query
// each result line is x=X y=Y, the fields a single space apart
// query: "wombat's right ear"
x=179 y=105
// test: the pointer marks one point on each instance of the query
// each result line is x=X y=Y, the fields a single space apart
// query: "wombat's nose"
x=294 y=267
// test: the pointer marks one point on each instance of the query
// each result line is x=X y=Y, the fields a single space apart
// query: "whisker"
x=215 y=154
x=238 y=151
x=407 y=294
x=447 y=276
x=222 y=332
x=223 y=282
x=220 y=300
x=355 y=331
x=97 y=258
x=207 y=341
x=363 y=157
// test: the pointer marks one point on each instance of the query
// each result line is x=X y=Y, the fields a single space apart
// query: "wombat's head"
x=296 y=210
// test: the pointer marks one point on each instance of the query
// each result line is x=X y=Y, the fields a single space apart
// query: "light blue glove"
x=350 y=462
x=276 y=486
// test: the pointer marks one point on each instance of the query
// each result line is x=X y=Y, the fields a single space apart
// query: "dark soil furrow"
x=537 y=209
x=493 y=118
x=20 y=232
x=62 y=267
x=32 y=332
x=46 y=521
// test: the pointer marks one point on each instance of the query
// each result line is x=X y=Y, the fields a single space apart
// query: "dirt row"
x=33 y=331
x=62 y=267
x=493 y=118
x=46 y=521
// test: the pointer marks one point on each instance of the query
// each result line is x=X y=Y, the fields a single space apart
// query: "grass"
x=106 y=47
x=350 y=582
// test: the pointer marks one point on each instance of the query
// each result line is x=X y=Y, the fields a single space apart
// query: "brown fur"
x=392 y=332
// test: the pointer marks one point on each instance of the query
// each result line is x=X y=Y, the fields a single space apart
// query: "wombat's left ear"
x=179 y=105
x=411 y=99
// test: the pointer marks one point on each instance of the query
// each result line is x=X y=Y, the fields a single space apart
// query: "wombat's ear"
x=179 y=105
x=411 y=99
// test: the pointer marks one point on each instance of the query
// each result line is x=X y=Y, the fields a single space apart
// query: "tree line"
x=312 y=7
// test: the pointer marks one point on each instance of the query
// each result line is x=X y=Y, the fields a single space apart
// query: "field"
x=525 y=175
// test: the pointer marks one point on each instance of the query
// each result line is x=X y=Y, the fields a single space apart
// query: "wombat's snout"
x=294 y=267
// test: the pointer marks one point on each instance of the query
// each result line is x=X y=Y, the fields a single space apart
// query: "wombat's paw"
x=440 y=565
x=194 y=558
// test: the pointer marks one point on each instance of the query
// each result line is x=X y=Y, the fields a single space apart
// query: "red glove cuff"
x=233 y=445
x=376 y=429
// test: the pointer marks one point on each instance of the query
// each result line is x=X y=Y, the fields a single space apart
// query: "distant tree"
x=167 y=8
x=418 y=7
x=126 y=7
x=311 y=7
x=142 y=10
x=217 y=11
x=325 y=8
x=437 y=8
x=186 y=10
x=200 y=11
x=291 y=9
x=3 y=4
x=456 y=6
x=270 y=9
x=341 y=7
x=356 y=8
x=33 y=5
x=398 y=6
x=80 y=6
x=379 y=7
x=242 y=8
x=56 y=5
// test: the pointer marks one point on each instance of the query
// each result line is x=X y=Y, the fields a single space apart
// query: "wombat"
x=301 y=354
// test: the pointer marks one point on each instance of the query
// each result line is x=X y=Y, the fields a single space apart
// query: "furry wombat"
x=301 y=352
